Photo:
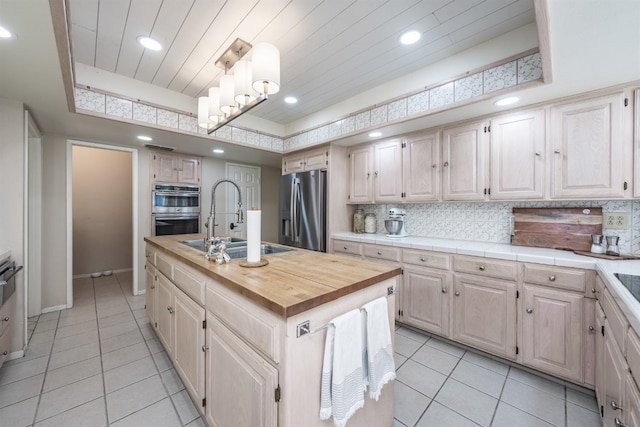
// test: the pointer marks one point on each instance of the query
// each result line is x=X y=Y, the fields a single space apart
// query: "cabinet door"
x=426 y=299
x=517 y=156
x=150 y=291
x=632 y=403
x=360 y=179
x=463 y=168
x=552 y=331
x=165 y=167
x=589 y=332
x=240 y=383
x=388 y=171
x=189 y=170
x=164 y=312
x=615 y=372
x=188 y=352
x=484 y=314
x=293 y=163
x=587 y=159
x=636 y=146
x=420 y=160
x=599 y=388
x=316 y=159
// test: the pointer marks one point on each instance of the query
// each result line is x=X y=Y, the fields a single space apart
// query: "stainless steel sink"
x=237 y=248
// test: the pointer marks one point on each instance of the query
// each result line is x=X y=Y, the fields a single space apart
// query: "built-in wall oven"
x=175 y=209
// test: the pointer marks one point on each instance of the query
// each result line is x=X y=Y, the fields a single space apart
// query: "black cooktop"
x=630 y=282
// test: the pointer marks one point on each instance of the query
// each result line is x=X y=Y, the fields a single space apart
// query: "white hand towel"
x=380 y=363
x=342 y=392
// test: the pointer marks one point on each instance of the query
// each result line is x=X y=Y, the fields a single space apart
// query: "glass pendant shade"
x=266 y=68
x=203 y=112
x=242 y=72
x=227 y=95
x=215 y=115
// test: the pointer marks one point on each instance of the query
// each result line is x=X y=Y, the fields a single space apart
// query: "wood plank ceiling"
x=330 y=49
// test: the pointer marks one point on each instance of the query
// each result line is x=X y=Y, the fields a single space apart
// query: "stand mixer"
x=395 y=223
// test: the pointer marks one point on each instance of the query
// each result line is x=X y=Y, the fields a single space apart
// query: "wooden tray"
x=610 y=257
x=556 y=228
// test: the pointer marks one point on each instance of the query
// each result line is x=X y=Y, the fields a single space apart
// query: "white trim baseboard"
x=54 y=308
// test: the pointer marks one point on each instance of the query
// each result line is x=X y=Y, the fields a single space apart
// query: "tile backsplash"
x=491 y=221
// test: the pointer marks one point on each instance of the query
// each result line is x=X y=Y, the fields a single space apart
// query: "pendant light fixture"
x=244 y=85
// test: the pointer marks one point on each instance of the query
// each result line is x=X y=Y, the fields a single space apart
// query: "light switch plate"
x=615 y=220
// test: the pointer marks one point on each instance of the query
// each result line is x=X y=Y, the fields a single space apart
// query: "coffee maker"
x=395 y=223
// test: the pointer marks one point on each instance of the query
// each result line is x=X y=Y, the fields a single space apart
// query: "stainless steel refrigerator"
x=303 y=211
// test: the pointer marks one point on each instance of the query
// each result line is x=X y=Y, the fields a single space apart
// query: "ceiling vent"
x=159 y=147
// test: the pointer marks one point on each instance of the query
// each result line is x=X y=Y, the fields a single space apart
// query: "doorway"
x=248 y=179
x=102 y=212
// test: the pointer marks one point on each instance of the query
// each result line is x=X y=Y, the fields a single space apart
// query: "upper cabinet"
x=464 y=162
x=305 y=160
x=360 y=180
x=387 y=171
x=517 y=156
x=420 y=166
x=176 y=168
x=587 y=148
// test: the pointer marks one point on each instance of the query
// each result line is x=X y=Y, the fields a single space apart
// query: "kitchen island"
x=239 y=337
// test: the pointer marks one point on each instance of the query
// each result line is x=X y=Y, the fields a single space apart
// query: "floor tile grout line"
x=104 y=386
x=504 y=384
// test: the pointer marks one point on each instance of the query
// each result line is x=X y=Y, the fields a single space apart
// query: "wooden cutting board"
x=556 y=228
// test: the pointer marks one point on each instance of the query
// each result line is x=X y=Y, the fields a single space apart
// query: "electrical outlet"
x=615 y=220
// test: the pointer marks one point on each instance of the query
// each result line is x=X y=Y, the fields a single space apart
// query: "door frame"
x=69 y=191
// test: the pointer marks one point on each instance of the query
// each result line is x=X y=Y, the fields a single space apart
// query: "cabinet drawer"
x=633 y=353
x=6 y=312
x=164 y=264
x=192 y=282
x=561 y=278
x=381 y=252
x=254 y=325
x=617 y=321
x=426 y=259
x=5 y=345
x=345 y=247
x=486 y=267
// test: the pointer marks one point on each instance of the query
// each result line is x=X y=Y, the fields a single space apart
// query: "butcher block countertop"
x=293 y=282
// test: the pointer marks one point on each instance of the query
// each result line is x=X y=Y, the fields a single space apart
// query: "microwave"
x=175 y=199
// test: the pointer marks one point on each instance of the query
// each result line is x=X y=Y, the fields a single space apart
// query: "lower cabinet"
x=615 y=374
x=599 y=386
x=150 y=291
x=240 y=383
x=426 y=300
x=552 y=338
x=164 y=309
x=484 y=314
x=631 y=403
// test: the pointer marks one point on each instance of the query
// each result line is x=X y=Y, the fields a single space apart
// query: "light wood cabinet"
x=421 y=167
x=343 y=247
x=587 y=148
x=176 y=168
x=425 y=300
x=615 y=373
x=518 y=156
x=636 y=146
x=164 y=321
x=360 y=175
x=552 y=338
x=631 y=403
x=7 y=312
x=150 y=292
x=306 y=160
x=387 y=171
x=484 y=314
x=599 y=356
x=240 y=384
x=464 y=162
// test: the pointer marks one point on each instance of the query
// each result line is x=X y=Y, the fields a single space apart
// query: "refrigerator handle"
x=296 y=211
x=292 y=202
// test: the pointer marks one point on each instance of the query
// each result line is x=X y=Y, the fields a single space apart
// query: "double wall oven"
x=175 y=209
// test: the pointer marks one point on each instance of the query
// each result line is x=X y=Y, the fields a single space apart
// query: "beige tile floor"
x=100 y=364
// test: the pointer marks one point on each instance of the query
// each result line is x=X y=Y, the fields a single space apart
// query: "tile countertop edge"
x=5 y=254
x=627 y=303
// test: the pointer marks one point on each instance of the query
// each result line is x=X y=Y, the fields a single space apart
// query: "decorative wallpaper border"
x=511 y=73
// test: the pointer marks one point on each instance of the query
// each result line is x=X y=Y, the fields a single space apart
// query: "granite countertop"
x=292 y=282
x=606 y=268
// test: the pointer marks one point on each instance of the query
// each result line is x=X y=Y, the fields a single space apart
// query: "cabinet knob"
x=457 y=293
x=593 y=290
x=592 y=329
x=446 y=164
x=422 y=259
x=376 y=173
x=552 y=278
x=444 y=290
x=6 y=319
x=205 y=348
x=557 y=151
x=434 y=166
x=619 y=423
x=169 y=309
x=4 y=353
x=615 y=406
x=344 y=247
x=379 y=253
x=481 y=268
x=368 y=175
x=538 y=153
x=529 y=310
x=152 y=287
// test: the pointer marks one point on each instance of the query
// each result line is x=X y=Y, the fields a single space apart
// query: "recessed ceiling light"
x=410 y=37
x=375 y=134
x=6 y=34
x=507 y=101
x=291 y=100
x=144 y=138
x=218 y=150
x=149 y=43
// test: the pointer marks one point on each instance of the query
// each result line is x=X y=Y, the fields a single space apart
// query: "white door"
x=248 y=179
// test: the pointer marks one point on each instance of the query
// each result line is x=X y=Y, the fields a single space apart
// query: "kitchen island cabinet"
x=260 y=368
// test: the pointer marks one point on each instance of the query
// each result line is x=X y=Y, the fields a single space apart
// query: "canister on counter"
x=358 y=221
x=370 y=225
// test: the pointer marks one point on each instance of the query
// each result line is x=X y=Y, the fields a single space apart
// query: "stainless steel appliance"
x=177 y=199
x=175 y=209
x=8 y=271
x=631 y=282
x=395 y=223
x=303 y=212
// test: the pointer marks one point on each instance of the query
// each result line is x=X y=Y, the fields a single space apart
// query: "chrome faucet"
x=211 y=221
